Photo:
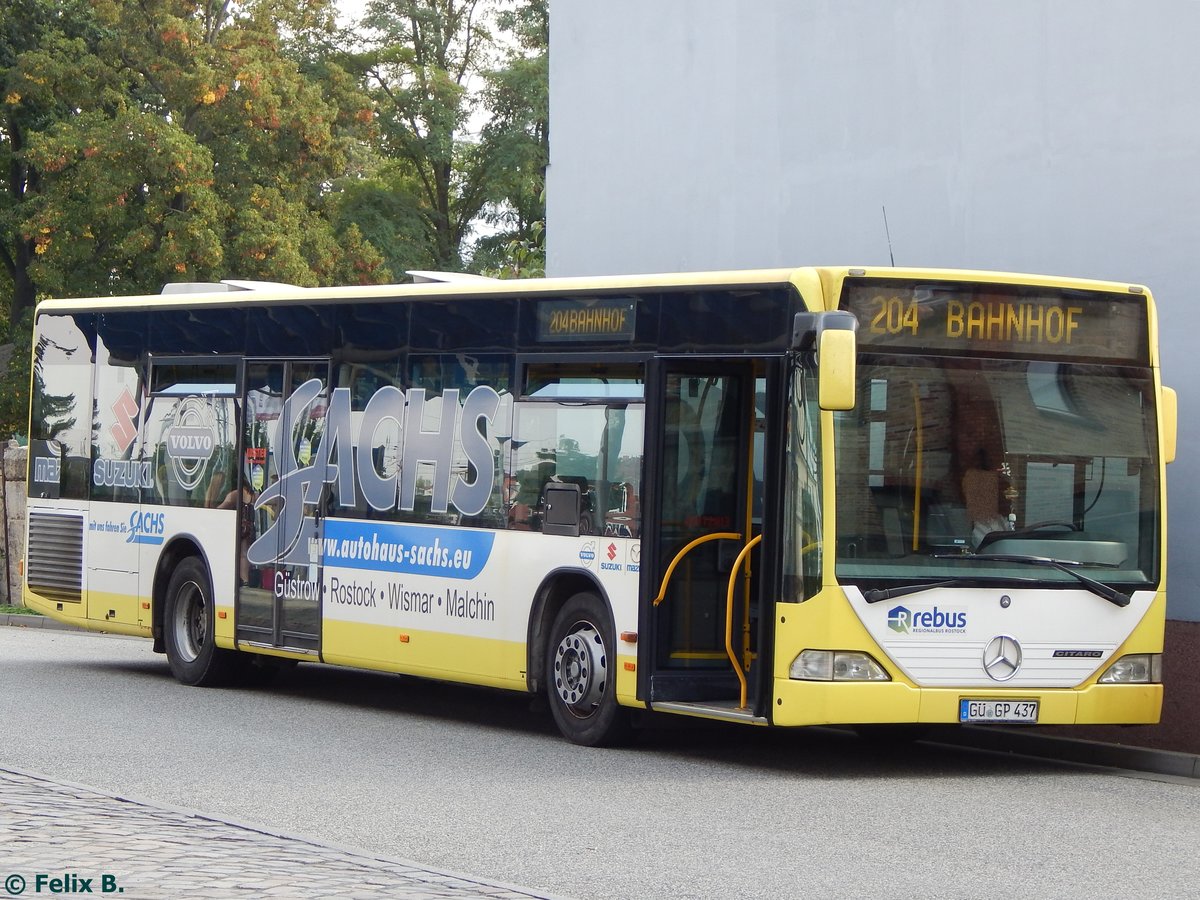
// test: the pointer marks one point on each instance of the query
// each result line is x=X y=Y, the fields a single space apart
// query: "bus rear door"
x=284 y=409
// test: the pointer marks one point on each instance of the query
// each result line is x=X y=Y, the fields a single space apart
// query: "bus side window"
x=595 y=446
x=365 y=379
x=200 y=481
x=623 y=518
x=61 y=409
x=192 y=400
x=624 y=444
x=118 y=473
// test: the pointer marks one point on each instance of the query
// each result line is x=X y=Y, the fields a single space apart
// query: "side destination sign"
x=962 y=317
x=599 y=319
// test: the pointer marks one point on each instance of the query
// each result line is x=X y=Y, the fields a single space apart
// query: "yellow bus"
x=783 y=497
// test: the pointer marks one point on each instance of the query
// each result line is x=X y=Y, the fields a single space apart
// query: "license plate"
x=1023 y=711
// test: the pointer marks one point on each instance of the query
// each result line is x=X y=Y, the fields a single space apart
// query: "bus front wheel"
x=191 y=644
x=582 y=674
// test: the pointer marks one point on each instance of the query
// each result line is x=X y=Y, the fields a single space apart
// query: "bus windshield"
x=947 y=458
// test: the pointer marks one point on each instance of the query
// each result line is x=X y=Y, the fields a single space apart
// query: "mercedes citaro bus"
x=787 y=497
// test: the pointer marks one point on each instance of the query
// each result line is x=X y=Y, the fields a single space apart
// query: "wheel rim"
x=191 y=621
x=581 y=669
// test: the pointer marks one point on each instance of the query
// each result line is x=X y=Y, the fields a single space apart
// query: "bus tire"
x=191 y=645
x=582 y=674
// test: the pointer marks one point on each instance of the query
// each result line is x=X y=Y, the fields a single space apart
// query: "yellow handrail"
x=916 y=529
x=737 y=666
x=703 y=539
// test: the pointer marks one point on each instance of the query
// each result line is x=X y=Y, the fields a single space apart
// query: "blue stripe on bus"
x=406 y=549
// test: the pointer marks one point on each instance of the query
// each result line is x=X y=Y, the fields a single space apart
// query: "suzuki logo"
x=124 y=427
x=1002 y=658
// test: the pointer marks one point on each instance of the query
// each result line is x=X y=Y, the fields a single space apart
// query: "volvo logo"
x=1002 y=658
x=191 y=438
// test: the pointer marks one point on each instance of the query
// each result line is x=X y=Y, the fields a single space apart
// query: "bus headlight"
x=1136 y=668
x=836 y=665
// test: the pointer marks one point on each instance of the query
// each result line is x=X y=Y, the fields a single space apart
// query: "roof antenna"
x=888 y=232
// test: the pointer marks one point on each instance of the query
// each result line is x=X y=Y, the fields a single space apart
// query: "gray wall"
x=1060 y=137
x=12 y=509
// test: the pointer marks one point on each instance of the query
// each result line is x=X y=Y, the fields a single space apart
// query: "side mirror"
x=1170 y=423
x=836 y=354
x=832 y=336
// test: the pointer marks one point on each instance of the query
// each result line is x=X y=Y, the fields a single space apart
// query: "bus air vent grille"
x=55 y=556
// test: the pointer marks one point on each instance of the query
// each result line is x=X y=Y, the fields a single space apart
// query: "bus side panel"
x=430 y=654
x=54 y=581
x=112 y=537
x=121 y=548
x=401 y=598
x=214 y=533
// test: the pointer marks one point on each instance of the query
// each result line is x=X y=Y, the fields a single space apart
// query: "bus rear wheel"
x=581 y=665
x=188 y=628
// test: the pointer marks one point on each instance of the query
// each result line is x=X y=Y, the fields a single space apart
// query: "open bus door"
x=279 y=593
x=707 y=587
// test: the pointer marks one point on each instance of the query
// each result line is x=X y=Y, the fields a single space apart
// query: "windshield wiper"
x=877 y=594
x=1112 y=595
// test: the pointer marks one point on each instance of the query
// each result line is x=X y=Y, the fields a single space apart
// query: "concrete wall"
x=12 y=485
x=1027 y=135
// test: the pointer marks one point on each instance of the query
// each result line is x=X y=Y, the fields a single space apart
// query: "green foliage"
x=165 y=140
x=16 y=378
x=127 y=202
x=168 y=140
x=517 y=135
x=431 y=66
x=502 y=256
x=14 y=385
x=417 y=65
x=385 y=208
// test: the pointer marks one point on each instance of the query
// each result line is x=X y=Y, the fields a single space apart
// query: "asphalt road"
x=475 y=781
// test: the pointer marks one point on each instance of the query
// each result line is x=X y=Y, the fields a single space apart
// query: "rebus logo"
x=927 y=621
x=899 y=618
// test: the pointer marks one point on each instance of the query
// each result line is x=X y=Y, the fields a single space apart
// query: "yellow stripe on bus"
x=473 y=660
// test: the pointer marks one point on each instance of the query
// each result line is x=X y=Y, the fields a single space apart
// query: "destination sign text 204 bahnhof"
x=971 y=318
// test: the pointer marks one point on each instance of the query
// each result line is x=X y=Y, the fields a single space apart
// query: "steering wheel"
x=1043 y=526
x=1029 y=531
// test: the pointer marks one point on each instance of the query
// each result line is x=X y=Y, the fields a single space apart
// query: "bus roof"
x=830 y=278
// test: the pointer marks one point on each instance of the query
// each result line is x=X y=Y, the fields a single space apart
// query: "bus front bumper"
x=846 y=703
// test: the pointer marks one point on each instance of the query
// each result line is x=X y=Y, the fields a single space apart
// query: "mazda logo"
x=1002 y=658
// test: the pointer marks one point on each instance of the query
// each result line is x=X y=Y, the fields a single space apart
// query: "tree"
x=279 y=121
x=50 y=79
x=173 y=140
x=170 y=140
x=385 y=205
x=14 y=392
x=516 y=140
x=420 y=68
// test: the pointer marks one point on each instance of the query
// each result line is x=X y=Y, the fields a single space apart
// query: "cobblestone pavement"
x=74 y=833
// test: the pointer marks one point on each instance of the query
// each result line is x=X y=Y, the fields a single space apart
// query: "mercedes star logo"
x=1002 y=657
